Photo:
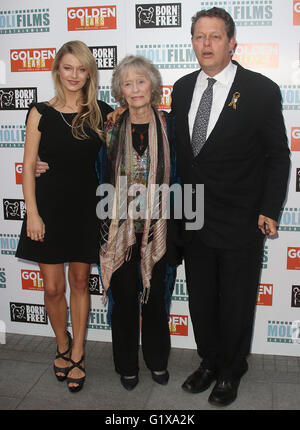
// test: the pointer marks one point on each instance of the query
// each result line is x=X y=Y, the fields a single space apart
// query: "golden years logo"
x=32 y=280
x=257 y=55
x=166 y=91
x=178 y=325
x=293 y=258
x=18 y=173
x=32 y=60
x=265 y=295
x=295 y=139
x=92 y=18
x=296 y=12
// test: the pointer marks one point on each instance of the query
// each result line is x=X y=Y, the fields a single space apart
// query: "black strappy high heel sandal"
x=78 y=381
x=63 y=370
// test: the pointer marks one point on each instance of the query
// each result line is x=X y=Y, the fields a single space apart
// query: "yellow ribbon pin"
x=234 y=100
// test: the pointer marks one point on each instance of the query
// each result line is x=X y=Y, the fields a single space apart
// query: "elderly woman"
x=133 y=255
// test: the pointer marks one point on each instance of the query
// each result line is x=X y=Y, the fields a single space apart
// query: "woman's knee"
x=54 y=289
x=54 y=280
x=79 y=281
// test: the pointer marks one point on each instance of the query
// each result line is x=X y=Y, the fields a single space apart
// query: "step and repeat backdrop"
x=268 y=35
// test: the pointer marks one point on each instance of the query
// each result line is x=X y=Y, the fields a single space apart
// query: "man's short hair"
x=216 y=12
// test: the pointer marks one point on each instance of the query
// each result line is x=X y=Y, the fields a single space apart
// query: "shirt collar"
x=224 y=77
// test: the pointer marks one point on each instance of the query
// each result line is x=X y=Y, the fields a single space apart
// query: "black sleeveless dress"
x=66 y=193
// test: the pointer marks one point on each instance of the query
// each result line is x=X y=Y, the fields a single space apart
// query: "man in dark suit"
x=244 y=166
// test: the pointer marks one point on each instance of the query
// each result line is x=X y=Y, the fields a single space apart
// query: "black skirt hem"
x=60 y=260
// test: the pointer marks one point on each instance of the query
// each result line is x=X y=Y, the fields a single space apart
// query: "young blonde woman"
x=61 y=224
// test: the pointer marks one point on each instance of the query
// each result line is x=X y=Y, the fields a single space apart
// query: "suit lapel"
x=187 y=100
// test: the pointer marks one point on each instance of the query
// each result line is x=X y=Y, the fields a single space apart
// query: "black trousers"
x=222 y=286
x=128 y=315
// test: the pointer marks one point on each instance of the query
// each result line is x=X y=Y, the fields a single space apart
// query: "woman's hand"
x=113 y=116
x=35 y=227
x=40 y=167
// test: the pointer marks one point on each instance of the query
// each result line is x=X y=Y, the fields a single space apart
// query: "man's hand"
x=267 y=225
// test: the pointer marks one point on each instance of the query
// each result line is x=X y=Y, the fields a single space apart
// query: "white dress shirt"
x=220 y=92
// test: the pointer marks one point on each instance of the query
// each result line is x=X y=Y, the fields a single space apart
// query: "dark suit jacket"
x=244 y=165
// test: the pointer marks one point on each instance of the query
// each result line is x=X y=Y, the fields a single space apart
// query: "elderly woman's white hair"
x=139 y=64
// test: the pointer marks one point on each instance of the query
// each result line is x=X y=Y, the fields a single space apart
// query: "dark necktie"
x=202 y=118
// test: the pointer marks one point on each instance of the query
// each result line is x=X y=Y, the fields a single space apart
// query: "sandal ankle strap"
x=62 y=354
x=76 y=364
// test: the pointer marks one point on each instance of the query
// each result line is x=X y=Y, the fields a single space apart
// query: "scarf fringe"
x=128 y=253
x=145 y=295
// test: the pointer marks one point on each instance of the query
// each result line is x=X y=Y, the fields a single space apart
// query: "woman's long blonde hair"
x=89 y=115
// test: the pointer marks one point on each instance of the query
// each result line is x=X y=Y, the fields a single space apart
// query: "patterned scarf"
x=118 y=233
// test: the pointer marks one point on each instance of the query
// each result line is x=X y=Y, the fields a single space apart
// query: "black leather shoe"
x=129 y=383
x=199 y=381
x=224 y=392
x=161 y=379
